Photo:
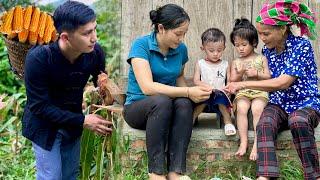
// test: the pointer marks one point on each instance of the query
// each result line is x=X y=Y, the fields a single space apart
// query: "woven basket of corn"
x=22 y=28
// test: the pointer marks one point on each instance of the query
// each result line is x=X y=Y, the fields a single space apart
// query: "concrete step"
x=209 y=144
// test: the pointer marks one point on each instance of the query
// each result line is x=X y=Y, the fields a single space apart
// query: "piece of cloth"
x=289 y=12
x=296 y=60
x=213 y=74
x=168 y=122
x=165 y=69
x=61 y=162
x=301 y=123
x=54 y=89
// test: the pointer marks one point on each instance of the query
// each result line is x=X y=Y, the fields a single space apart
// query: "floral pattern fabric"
x=296 y=60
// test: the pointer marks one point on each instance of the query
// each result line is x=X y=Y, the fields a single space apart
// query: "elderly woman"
x=294 y=97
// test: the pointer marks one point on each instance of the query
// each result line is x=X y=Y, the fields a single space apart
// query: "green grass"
x=20 y=165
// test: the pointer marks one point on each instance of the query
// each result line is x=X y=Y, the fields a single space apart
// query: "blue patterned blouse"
x=296 y=60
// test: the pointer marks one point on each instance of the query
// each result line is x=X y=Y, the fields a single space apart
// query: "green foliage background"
x=17 y=160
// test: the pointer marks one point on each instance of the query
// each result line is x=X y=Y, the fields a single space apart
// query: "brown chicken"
x=109 y=91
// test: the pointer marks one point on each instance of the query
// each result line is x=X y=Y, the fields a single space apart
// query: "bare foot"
x=177 y=176
x=253 y=154
x=242 y=150
x=153 y=176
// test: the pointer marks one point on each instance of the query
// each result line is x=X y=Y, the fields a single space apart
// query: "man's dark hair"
x=72 y=14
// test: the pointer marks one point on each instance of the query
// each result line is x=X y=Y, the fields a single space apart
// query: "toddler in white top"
x=212 y=71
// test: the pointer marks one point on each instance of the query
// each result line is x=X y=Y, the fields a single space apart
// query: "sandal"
x=229 y=130
x=245 y=178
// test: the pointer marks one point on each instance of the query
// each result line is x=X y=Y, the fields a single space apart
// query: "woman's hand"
x=233 y=87
x=199 y=93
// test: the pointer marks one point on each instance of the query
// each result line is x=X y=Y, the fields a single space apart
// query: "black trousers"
x=168 y=122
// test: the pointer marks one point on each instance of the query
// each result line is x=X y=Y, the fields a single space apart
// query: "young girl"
x=211 y=72
x=248 y=66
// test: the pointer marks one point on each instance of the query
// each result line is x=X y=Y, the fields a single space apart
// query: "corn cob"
x=35 y=20
x=48 y=30
x=54 y=35
x=17 y=19
x=7 y=25
x=42 y=23
x=27 y=17
x=23 y=35
x=12 y=35
x=33 y=37
x=40 y=40
x=2 y=19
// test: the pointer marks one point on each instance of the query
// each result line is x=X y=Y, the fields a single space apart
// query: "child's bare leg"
x=225 y=114
x=257 y=106
x=243 y=105
x=229 y=128
x=198 y=110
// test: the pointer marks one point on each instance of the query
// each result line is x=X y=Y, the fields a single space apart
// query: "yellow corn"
x=17 y=19
x=2 y=19
x=48 y=30
x=34 y=20
x=7 y=25
x=33 y=37
x=42 y=23
x=23 y=35
x=3 y=16
x=12 y=35
x=27 y=17
x=40 y=40
x=54 y=35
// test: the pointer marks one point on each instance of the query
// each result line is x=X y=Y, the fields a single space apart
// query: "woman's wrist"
x=242 y=85
x=188 y=92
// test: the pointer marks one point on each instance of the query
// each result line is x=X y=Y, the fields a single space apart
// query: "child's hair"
x=170 y=16
x=244 y=29
x=72 y=14
x=213 y=35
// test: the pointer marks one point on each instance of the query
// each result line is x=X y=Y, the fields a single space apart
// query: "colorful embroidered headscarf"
x=289 y=12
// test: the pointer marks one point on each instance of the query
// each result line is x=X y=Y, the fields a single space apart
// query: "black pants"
x=167 y=121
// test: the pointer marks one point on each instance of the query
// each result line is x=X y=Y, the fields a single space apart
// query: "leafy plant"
x=9 y=83
x=109 y=33
x=7 y=4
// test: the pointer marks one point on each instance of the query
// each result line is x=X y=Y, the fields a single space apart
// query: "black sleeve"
x=38 y=100
x=100 y=63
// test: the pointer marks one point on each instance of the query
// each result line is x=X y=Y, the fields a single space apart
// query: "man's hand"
x=97 y=124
